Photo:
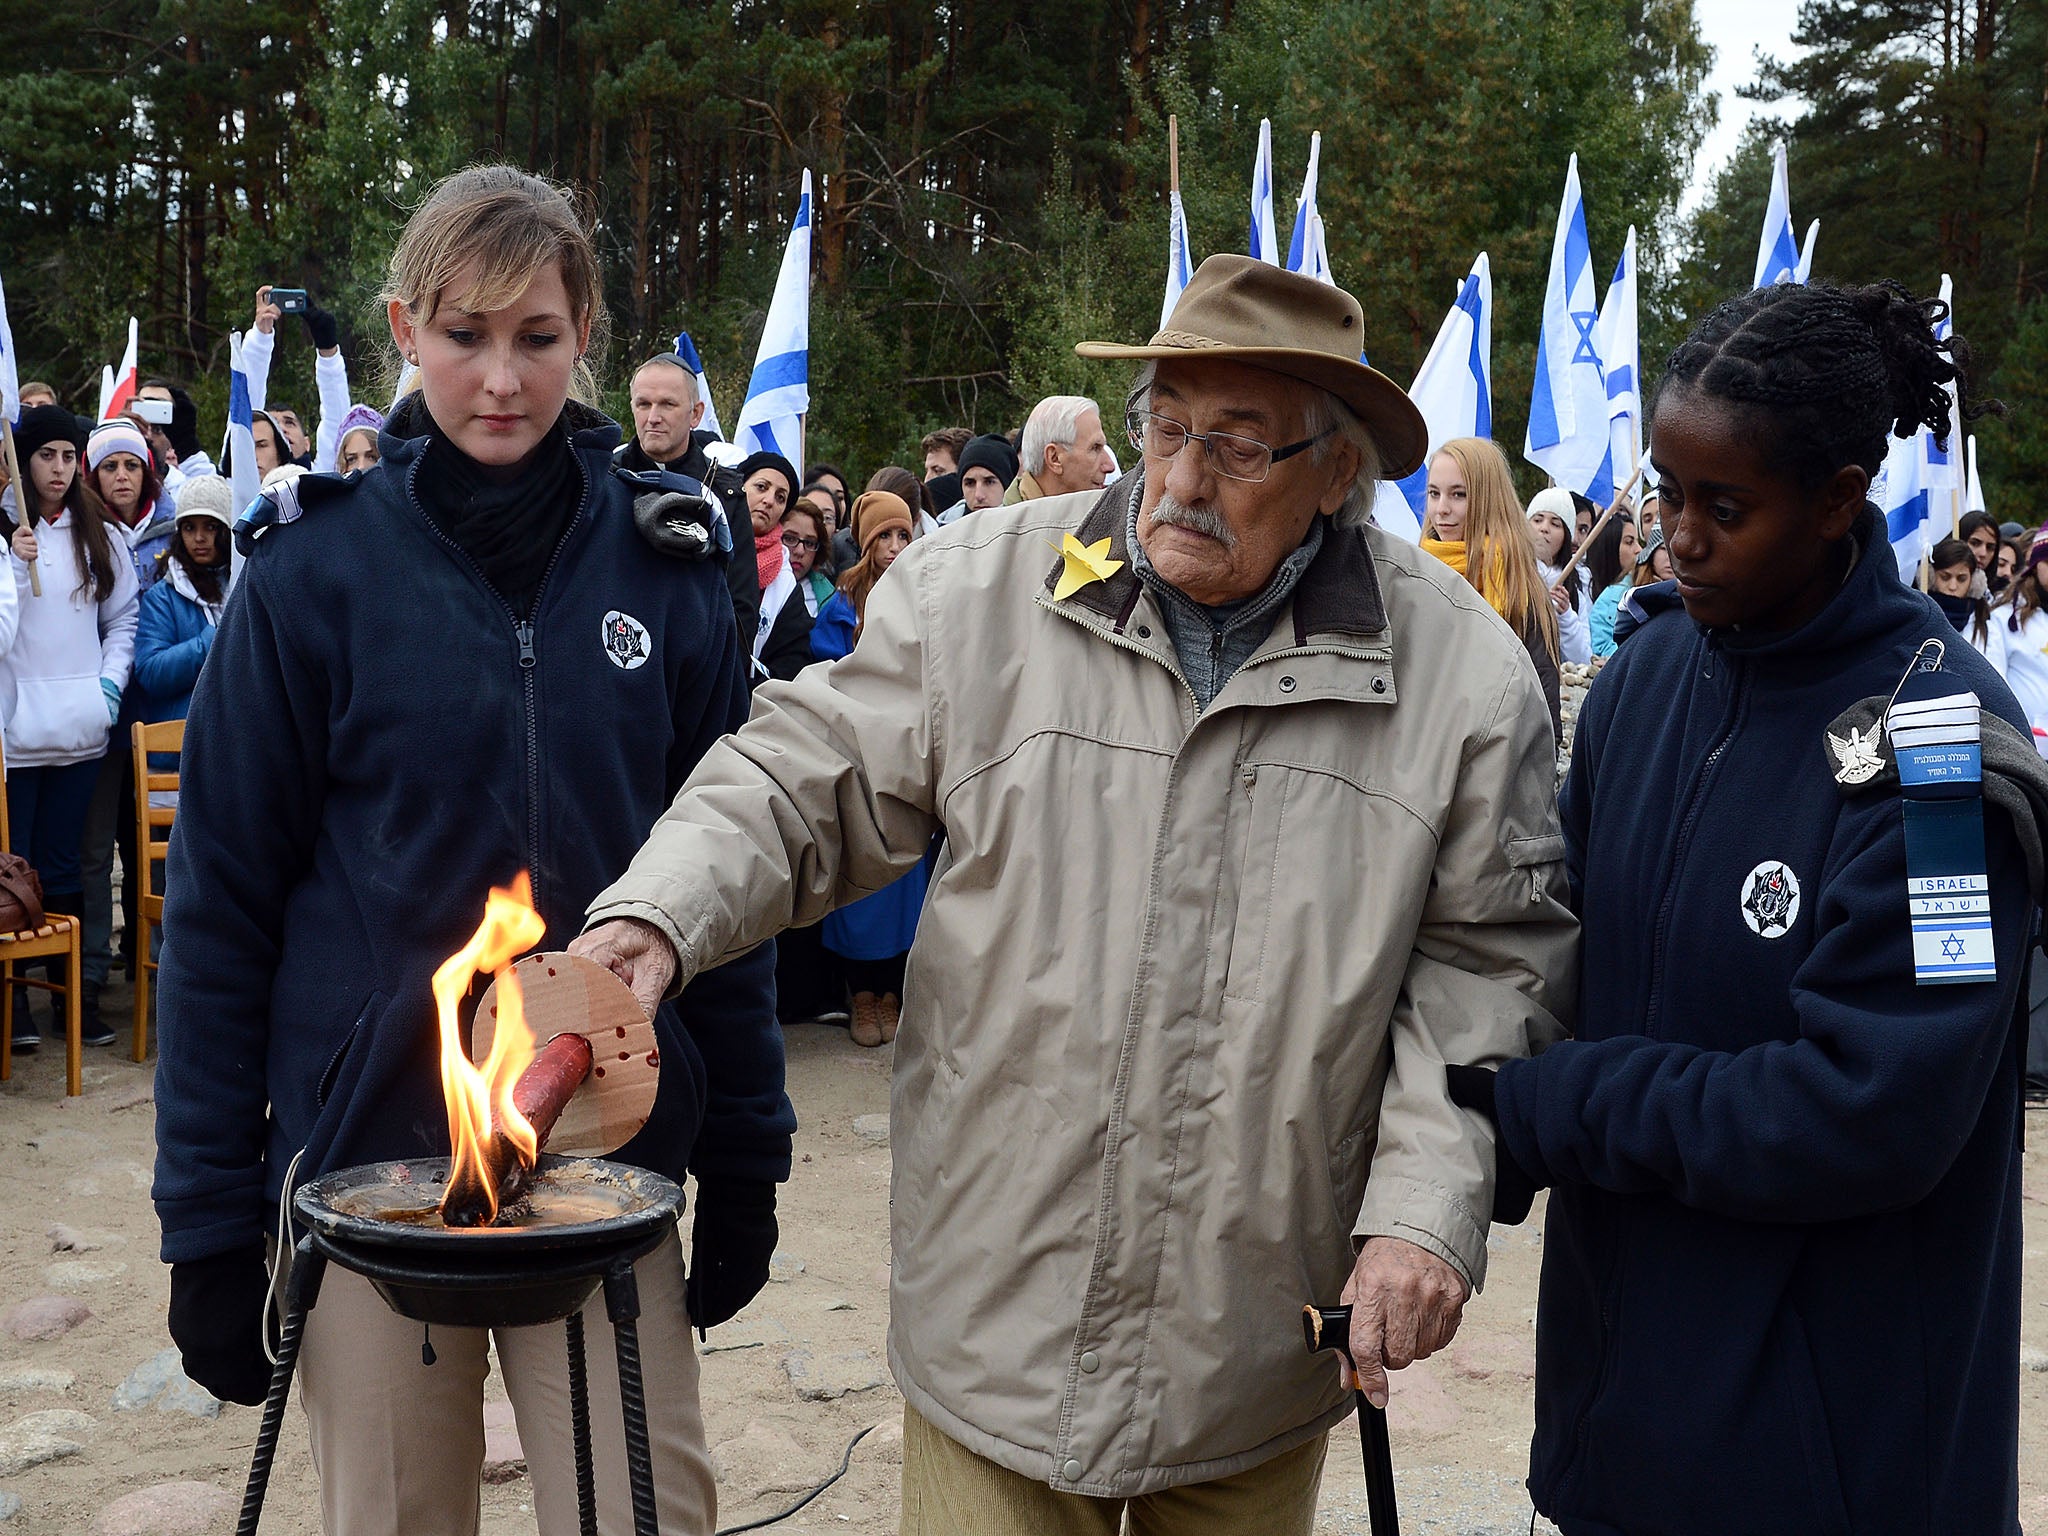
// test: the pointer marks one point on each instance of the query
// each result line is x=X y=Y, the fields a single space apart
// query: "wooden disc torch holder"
x=562 y=992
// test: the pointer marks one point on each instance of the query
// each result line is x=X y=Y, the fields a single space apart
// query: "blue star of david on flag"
x=1585 y=321
x=1952 y=947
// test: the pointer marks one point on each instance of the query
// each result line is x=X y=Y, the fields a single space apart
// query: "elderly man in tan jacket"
x=1249 y=830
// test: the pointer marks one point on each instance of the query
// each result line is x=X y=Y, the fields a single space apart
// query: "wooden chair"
x=152 y=845
x=58 y=935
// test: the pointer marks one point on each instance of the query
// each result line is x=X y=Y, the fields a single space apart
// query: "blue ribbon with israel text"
x=1935 y=735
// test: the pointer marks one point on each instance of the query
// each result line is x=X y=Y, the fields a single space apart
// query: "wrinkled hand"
x=1405 y=1305
x=731 y=1243
x=267 y=313
x=638 y=953
x=24 y=543
x=216 y=1311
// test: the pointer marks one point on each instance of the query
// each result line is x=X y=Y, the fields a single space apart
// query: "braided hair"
x=1832 y=372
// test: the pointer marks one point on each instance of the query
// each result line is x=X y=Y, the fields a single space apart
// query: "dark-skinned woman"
x=1782 y=1256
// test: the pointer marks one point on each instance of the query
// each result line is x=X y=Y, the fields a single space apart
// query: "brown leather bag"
x=21 y=895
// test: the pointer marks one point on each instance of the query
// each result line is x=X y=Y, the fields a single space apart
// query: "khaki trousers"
x=950 y=1491
x=399 y=1445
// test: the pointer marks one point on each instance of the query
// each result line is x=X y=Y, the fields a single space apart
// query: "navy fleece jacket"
x=1782 y=1262
x=373 y=743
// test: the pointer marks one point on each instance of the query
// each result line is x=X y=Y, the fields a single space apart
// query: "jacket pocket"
x=330 y=1075
x=1534 y=857
x=1260 y=871
x=1809 y=1417
x=61 y=719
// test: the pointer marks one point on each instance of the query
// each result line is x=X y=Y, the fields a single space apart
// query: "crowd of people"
x=1196 y=843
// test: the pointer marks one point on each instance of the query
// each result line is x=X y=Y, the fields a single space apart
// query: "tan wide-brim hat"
x=1241 y=310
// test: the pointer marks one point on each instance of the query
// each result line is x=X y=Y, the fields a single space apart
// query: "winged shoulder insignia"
x=1857 y=759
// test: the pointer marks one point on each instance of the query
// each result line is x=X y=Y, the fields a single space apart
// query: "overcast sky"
x=1737 y=29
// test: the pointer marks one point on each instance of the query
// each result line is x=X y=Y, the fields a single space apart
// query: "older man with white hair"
x=1249 y=831
x=1063 y=450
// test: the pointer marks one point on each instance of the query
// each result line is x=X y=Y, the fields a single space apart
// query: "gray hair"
x=1322 y=412
x=1055 y=419
x=670 y=360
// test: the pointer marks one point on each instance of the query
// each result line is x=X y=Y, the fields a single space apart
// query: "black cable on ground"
x=845 y=1462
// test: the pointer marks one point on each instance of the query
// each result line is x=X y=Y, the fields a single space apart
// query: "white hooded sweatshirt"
x=65 y=644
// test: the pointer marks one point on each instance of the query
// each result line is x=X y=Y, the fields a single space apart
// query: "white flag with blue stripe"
x=779 y=393
x=1913 y=490
x=10 y=375
x=1621 y=355
x=1777 y=252
x=686 y=349
x=1454 y=391
x=1305 y=250
x=239 y=450
x=1568 y=436
x=1265 y=244
x=1180 y=262
x=1973 y=498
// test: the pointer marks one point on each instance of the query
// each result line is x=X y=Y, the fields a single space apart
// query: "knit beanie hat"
x=41 y=425
x=993 y=453
x=120 y=435
x=754 y=463
x=874 y=513
x=364 y=416
x=1557 y=501
x=208 y=496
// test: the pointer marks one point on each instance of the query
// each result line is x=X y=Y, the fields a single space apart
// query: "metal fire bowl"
x=486 y=1277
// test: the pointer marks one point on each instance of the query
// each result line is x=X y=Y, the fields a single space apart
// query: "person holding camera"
x=330 y=373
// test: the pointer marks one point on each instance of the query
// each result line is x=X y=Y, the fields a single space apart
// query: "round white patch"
x=1770 y=899
x=625 y=640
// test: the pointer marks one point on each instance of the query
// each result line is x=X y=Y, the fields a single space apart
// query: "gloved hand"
x=730 y=1245
x=1514 y=1187
x=321 y=326
x=113 y=692
x=216 y=1310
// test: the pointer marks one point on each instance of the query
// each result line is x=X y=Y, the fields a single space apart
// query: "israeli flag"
x=1180 y=263
x=1453 y=390
x=1973 y=499
x=1621 y=351
x=1805 y=268
x=1913 y=490
x=1305 y=249
x=1777 y=253
x=1568 y=434
x=686 y=349
x=10 y=376
x=238 y=450
x=779 y=393
x=1265 y=245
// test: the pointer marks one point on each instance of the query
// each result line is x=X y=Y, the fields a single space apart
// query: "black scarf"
x=509 y=527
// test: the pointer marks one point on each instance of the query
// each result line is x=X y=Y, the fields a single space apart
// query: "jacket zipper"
x=522 y=632
x=1609 y=1297
x=1122 y=643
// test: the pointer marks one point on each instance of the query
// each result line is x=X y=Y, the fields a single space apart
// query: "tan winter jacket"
x=1177 y=1014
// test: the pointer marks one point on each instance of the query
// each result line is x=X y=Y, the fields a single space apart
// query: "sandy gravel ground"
x=1460 y=1423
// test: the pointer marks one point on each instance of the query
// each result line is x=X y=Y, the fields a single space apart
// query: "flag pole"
x=21 y=502
x=1173 y=152
x=1593 y=532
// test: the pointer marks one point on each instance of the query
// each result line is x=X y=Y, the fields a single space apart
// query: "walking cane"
x=1330 y=1328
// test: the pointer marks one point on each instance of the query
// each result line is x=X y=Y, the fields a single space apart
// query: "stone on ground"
x=168 y=1509
x=36 y=1438
x=784 y=1267
x=65 y=1239
x=16 y=1379
x=826 y=1379
x=72 y=1274
x=504 y=1456
x=10 y=1505
x=872 y=1129
x=44 y=1317
x=761 y=1459
x=161 y=1380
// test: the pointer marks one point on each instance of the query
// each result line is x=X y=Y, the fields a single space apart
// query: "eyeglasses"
x=798 y=542
x=1232 y=457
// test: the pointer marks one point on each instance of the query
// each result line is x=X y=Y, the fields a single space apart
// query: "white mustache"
x=1202 y=520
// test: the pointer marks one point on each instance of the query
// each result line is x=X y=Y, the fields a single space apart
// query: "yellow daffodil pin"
x=1086 y=564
